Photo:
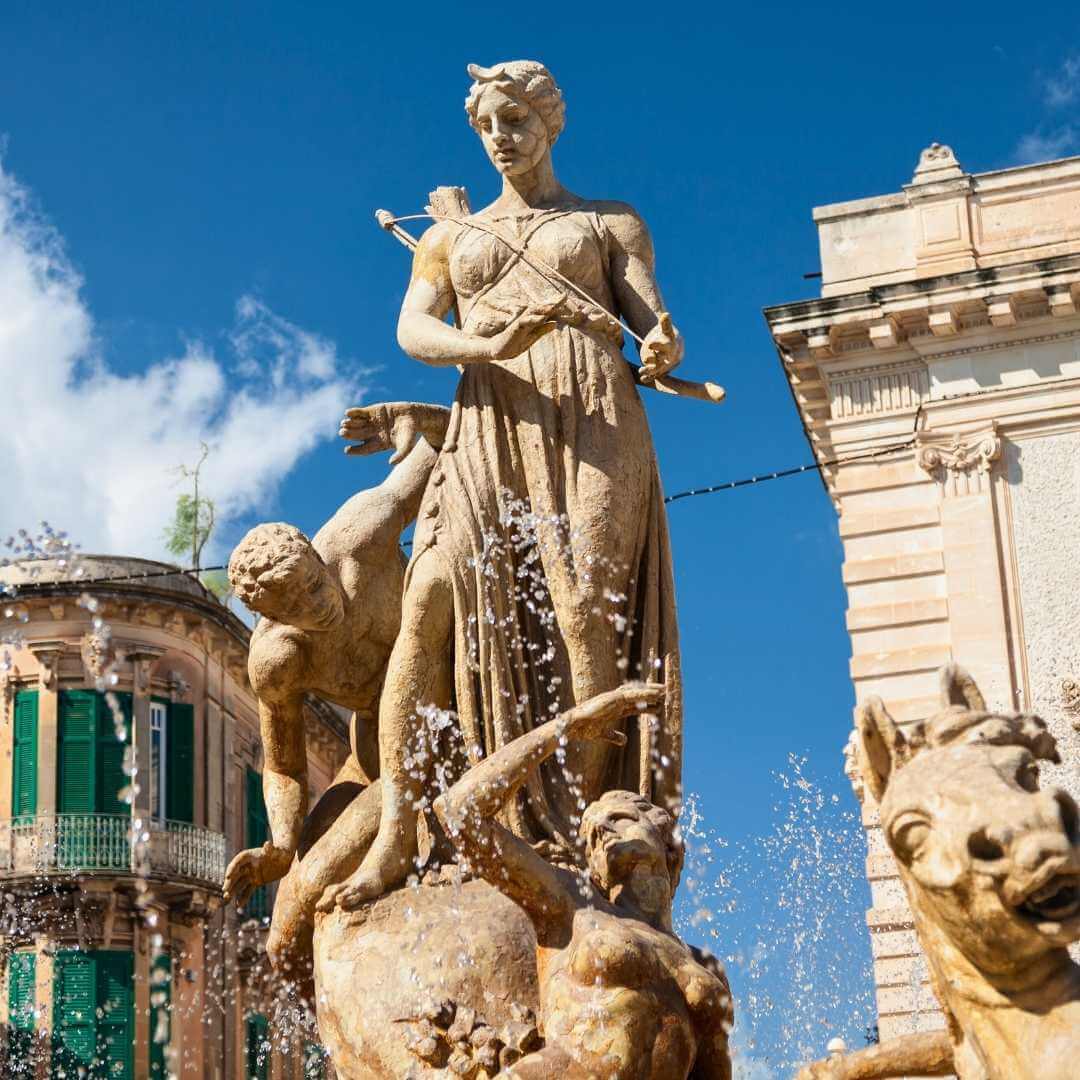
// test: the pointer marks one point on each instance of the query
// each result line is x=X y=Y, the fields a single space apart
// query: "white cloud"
x=1052 y=139
x=1047 y=145
x=90 y=450
x=1063 y=87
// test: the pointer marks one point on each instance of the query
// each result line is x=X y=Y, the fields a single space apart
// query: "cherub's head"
x=276 y=572
x=518 y=112
x=626 y=836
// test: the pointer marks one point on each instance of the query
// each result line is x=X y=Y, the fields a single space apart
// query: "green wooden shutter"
x=76 y=761
x=180 y=762
x=74 y=1012
x=258 y=1047
x=111 y=779
x=314 y=1061
x=116 y=1015
x=22 y=993
x=21 y=990
x=257 y=832
x=160 y=1015
x=24 y=755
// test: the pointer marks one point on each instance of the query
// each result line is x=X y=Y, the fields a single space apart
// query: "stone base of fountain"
x=437 y=977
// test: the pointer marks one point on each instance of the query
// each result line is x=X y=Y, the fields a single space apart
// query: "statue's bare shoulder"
x=277 y=658
x=624 y=223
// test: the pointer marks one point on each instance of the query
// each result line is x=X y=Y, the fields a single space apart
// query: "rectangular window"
x=314 y=1061
x=24 y=755
x=94 y=1014
x=180 y=763
x=90 y=759
x=257 y=1034
x=160 y=1015
x=22 y=993
x=257 y=832
x=159 y=712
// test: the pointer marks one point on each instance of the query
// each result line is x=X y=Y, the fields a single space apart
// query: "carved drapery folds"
x=960 y=461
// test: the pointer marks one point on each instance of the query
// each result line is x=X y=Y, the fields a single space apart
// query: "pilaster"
x=143 y=659
x=963 y=463
x=48 y=654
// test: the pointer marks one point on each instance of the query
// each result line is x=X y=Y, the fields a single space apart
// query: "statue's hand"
x=393 y=425
x=252 y=868
x=662 y=349
x=522 y=333
x=596 y=718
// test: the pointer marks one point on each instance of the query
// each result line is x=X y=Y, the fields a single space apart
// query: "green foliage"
x=217 y=581
x=191 y=527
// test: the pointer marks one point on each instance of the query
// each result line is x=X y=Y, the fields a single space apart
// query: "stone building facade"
x=943 y=355
x=110 y=946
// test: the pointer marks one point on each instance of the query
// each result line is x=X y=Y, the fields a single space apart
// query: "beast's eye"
x=908 y=835
x=1027 y=776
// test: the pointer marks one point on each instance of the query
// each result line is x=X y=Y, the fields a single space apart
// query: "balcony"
x=101 y=844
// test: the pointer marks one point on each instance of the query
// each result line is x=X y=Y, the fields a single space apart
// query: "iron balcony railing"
x=103 y=844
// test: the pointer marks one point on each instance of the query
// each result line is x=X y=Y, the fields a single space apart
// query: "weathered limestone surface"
x=990 y=862
x=396 y=976
x=540 y=588
x=948 y=336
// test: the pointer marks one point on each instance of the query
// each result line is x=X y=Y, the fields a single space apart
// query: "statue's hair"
x=660 y=817
x=268 y=553
x=527 y=79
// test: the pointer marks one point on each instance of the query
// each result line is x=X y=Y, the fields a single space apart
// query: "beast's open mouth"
x=1057 y=901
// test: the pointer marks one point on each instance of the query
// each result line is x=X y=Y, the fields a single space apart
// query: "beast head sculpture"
x=991 y=864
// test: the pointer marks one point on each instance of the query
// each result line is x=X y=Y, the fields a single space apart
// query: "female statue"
x=621 y=997
x=541 y=573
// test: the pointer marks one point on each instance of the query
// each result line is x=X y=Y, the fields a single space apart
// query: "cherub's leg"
x=419 y=673
x=329 y=859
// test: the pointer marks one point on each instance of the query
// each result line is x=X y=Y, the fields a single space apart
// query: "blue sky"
x=187 y=205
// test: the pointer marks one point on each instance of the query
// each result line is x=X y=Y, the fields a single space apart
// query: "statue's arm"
x=422 y=328
x=284 y=778
x=924 y=1053
x=467 y=811
x=637 y=294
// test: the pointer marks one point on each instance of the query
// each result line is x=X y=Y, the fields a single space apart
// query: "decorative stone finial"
x=936 y=162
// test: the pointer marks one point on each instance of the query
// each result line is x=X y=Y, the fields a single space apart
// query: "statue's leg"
x=419 y=673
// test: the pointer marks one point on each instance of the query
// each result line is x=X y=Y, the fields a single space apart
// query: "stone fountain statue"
x=536 y=613
x=991 y=865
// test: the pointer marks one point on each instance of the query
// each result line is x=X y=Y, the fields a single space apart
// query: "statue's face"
x=513 y=133
x=300 y=592
x=624 y=841
x=990 y=857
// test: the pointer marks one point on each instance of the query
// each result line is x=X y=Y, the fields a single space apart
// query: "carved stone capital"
x=7 y=695
x=962 y=461
x=143 y=659
x=48 y=654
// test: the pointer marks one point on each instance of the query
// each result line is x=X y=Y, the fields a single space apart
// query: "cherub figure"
x=331 y=612
x=622 y=998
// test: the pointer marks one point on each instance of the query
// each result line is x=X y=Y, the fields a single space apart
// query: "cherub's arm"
x=923 y=1053
x=285 y=788
x=415 y=432
x=467 y=811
